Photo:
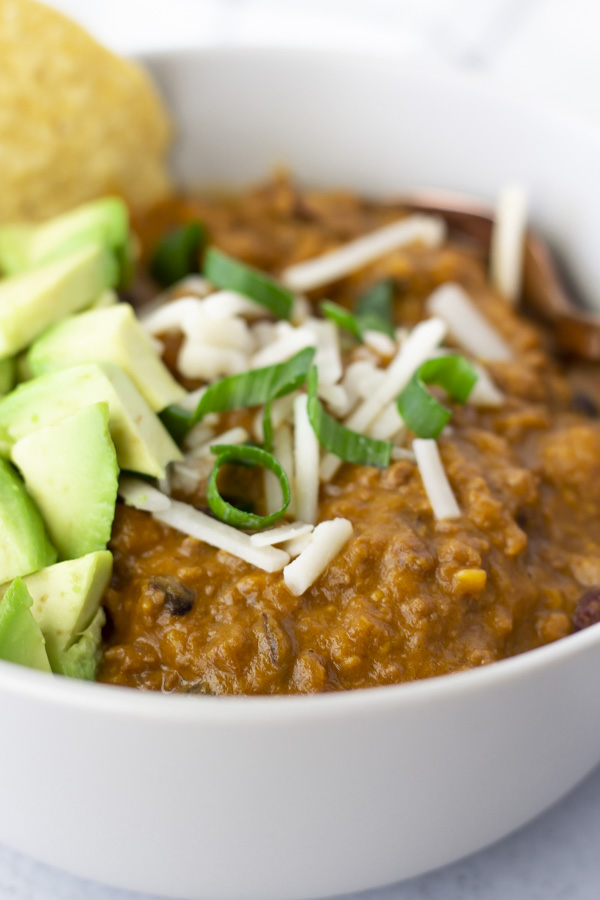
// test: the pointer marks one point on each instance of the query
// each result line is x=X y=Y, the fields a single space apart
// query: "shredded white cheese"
x=436 y=484
x=485 y=392
x=222 y=332
x=467 y=325
x=284 y=454
x=508 y=242
x=236 y=435
x=361 y=379
x=424 y=338
x=306 y=461
x=327 y=358
x=336 y=264
x=327 y=540
x=335 y=397
x=418 y=346
x=227 y=304
x=403 y=453
x=170 y=316
x=137 y=493
x=280 y=534
x=192 y=399
x=188 y=520
x=196 y=360
x=388 y=424
x=380 y=343
x=200 y=434
x=288 y=341
x=189 y=476
x=296 y=545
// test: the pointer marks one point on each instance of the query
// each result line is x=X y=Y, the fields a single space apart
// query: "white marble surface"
x=546 y=48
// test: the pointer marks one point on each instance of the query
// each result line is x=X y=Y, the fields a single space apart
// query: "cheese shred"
x=435 y=481
x=327 y=540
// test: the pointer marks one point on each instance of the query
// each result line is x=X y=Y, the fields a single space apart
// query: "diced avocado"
x=81 y=660
x=70 y=470
x=24 y=544
x=106 y=298
x=22 y=368
x=8 y=375
x=66 y=600
x=21 y=638
x=30 y=303
x=24 y=247
x=107 y=335
x=142 y=442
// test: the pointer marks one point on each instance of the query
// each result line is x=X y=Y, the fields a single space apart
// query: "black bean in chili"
x=179 y=598
x=587 y=611
x=584 y=404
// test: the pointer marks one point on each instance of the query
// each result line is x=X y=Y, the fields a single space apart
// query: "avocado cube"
x=81 y=660
x=24 y=544
x=66 y=601
x=21 y=638
x=24 y=246
x=8 y=375
x=70 y=470
x=107 y=335
x=142 y=442
x=31 y=302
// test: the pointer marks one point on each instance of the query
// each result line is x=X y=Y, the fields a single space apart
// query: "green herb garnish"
x=422 y=413
x=245 y=455
x=232 y=275
x=374 y=312
x=178 y=254
x=256 y=387
x=347 y=444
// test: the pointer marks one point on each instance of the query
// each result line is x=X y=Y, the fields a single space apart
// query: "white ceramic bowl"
x=287 y=798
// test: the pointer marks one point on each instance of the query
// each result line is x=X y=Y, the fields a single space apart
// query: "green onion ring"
x=342 y=317
x=232 y=275
x=256 y=387
x=375 y=308
x=178 y=254
x=347 y=444
x=422 y=413
x=247 y=455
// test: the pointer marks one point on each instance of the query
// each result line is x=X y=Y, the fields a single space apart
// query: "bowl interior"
x=382 y=127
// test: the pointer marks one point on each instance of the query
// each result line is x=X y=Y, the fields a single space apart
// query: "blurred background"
x=545 y=48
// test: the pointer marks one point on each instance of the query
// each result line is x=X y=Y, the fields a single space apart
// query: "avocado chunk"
x=8 y=375
x=24 y=544
x=106 y=298
x=66 y=602
x=70 y=470
x=21 y=638
x=24 y=247
x=142 y=442
x=30 y=303
x=107 y=335
x=81 y=660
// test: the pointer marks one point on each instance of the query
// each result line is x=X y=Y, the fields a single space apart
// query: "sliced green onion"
x=256 y=387
x=178 y=254
x=374 y=312
x=177 y=421
x=268 y=434
x=245 y=455
x=375 y=308
x=232 y=275
x=347 y=444
x=342 y=317
x=422 y=413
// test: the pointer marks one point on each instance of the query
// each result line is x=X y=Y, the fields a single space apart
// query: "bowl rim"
x=233 y=710
x=256 y=710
